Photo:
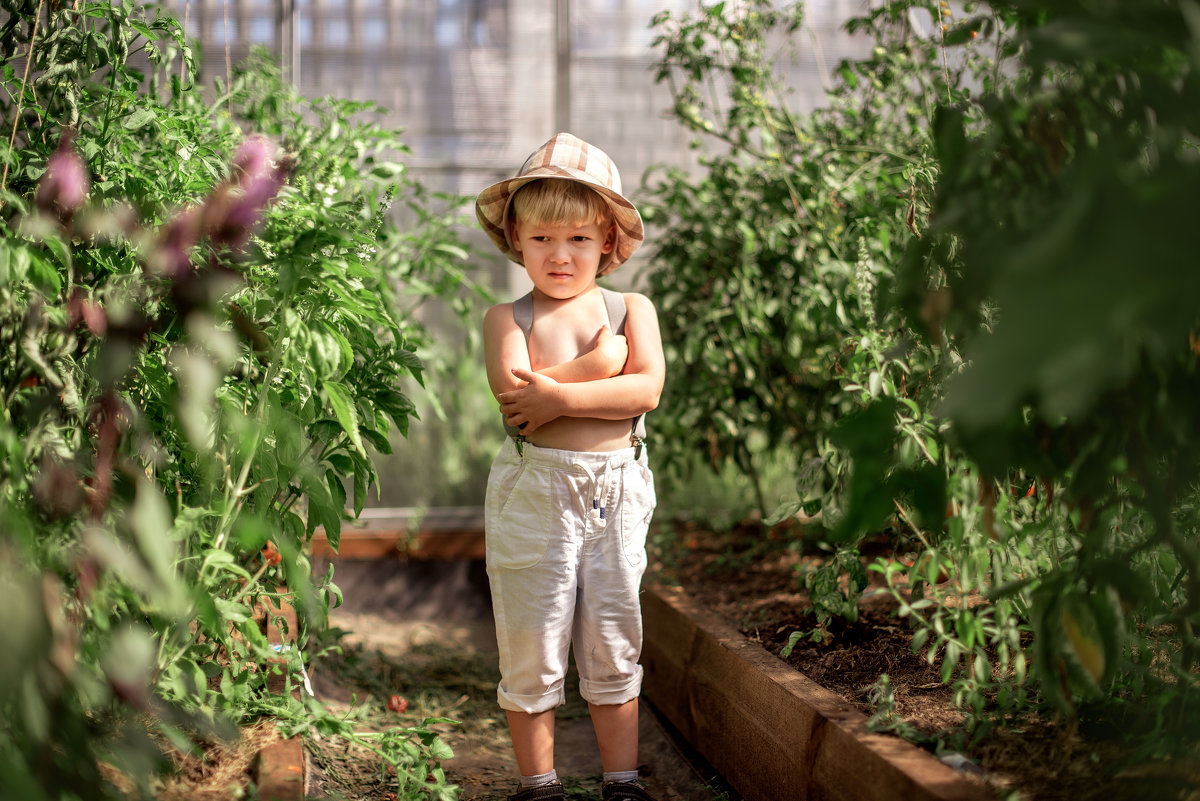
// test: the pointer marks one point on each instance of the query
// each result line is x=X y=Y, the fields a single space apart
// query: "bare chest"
x=565 y=332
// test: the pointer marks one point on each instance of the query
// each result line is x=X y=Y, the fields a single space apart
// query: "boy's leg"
x=617 y=735
x=608 y=622
x=532 y=545
x=533 y=741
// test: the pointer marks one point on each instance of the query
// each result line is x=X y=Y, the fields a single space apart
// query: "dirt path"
x=423 y=631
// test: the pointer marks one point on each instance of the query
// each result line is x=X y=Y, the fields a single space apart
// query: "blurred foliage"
x=1055 y=262
x=956 y=298
x=203 y=345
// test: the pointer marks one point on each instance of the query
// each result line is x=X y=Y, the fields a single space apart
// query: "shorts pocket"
x=637 y=508
x=517 y=535
x=501 y=480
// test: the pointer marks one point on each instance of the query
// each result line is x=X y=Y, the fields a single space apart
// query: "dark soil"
x=751 y=578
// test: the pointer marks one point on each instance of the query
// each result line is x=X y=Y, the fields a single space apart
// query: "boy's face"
x=562 y=259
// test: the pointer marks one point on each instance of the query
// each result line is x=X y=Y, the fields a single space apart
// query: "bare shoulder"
x=645 y=339
x=496 y=317
x=641 y=315
x=637 y=303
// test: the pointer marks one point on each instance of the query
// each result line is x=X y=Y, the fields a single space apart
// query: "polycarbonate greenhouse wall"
x=478 y=84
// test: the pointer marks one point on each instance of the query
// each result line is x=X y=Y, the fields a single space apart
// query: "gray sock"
x=620 y=776
x=539 y=779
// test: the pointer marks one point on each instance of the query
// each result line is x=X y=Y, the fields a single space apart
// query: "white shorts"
x=566 y=550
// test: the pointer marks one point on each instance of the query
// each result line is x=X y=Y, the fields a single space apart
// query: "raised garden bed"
x=441 y=533
x=747 y=583
x=772 y=732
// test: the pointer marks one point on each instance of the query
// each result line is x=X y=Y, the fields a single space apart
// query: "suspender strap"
x=614 y=304
x=523 y=313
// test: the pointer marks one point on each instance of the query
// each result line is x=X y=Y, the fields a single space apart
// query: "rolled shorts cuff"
x=612 y=692
x=530 y=704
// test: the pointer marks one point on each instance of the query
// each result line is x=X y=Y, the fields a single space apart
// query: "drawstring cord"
x=599 y=500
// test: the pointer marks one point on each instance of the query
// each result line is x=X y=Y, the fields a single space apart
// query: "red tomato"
x=271 y=554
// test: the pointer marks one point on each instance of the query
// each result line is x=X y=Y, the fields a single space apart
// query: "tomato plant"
x=204 y=346
x=962 y=275
x=1058 y=224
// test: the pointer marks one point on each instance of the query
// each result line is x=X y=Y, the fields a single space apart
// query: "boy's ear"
x=610 y=239
x=512 y=235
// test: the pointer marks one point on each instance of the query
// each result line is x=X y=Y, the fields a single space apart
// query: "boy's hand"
x=533 y=405
x=612 y=350
x=605 y=357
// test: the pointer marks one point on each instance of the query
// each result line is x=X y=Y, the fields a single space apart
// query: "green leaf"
x=328 y=518
x=378 y=441
x=793 y=639
x=220 y=559
x=388 y=170
x=1083 y=640
x=139 y=119
x=232 y=612
x=43 y=274
x=452 y=250
x=142 y=28
x=341 y=462
x=347 y=414
x=950 y=660
x=785 y=511
x=336 y=490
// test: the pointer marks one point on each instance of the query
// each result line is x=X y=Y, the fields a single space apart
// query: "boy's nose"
x=560 y=254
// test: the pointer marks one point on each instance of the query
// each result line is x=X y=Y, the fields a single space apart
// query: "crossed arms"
x=620 y=377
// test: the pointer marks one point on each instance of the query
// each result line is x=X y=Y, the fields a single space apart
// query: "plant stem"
x=233 y=500
x=112 y=90
x=187 y=8
x=12 y=138
x=253 y=580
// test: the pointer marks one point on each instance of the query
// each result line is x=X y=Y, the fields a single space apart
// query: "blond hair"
x=549 y=200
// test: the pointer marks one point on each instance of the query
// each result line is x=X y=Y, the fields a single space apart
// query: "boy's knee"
x=530 y=699
x=614 y=690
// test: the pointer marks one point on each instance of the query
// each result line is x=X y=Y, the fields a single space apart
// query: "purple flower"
x=232 y=212
x=252 y=160
x=176 y=238
x=65 y=183
x=245 y=210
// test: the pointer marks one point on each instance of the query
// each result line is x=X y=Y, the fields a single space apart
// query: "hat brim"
x=492 y=209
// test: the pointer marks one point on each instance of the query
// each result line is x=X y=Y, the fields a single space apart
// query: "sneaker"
x=625 y=791
x=543 y=792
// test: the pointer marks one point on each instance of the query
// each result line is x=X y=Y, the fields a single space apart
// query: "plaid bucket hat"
x=570 y=158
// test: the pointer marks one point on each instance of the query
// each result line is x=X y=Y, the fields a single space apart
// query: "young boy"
x=570 y=495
